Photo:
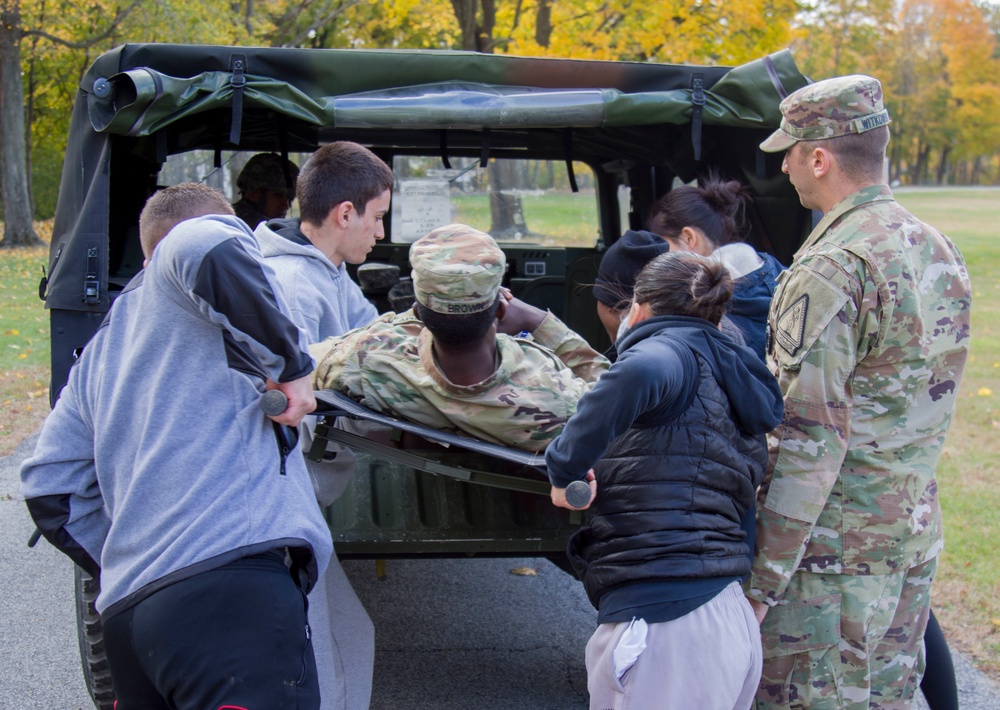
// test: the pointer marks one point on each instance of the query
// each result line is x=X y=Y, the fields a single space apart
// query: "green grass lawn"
x=553 y=219
x=967 y=593
x=24 y=345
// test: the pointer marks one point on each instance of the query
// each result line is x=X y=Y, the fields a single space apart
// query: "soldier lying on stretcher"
x=468 y=356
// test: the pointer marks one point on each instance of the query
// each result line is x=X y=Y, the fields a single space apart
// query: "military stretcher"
x=421 y=454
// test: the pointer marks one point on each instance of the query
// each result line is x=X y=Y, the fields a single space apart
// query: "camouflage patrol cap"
x=456 y=270
x=266 y=171
x=827 y=109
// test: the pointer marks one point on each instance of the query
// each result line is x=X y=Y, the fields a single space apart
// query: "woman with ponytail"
x=706 y=220
x=671 y=439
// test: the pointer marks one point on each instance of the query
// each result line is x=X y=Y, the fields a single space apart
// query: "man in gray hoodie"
x=343 y=192
x=158 y=472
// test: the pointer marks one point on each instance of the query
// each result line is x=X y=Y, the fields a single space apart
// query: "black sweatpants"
x=235 y=637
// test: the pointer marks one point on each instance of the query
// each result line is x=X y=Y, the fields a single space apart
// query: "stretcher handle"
x=578 y=494
x=273 y=402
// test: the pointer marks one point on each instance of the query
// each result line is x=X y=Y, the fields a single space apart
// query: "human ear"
x=637 y=313
x=820 y=160
x=342 y=213
x=696 y=241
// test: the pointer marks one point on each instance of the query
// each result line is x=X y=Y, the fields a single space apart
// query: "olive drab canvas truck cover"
x=637 y=129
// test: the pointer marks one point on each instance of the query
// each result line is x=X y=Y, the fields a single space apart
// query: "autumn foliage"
x=938 y=59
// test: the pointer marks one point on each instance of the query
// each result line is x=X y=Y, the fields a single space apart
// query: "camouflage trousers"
x=846 y=641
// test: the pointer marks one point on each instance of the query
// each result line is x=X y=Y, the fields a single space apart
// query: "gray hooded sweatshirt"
x=157 y=462
x=323 y=299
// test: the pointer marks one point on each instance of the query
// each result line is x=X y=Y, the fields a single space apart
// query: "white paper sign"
x=425 y=205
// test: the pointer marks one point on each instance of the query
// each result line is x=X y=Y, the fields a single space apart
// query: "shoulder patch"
x=791 y=325
x=803 y=307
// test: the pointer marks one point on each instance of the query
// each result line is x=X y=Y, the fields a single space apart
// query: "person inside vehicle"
x=164 y=513
x=468 y=356
x=267 y=188
x=673 y=442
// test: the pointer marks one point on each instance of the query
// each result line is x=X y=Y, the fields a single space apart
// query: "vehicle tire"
x=90 y=634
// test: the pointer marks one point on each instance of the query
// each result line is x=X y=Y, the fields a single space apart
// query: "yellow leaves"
x=984 y=392
x=728 y=33
x=12 y=331
x=22 y=356
x=670 y=31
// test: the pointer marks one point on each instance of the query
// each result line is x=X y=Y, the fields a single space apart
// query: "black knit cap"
x=622 y=262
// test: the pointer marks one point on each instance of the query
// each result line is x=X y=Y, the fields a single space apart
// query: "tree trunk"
x=977 y=166
x=894 y=167
x=919 y=168
x=942 y=170
x=543 y=23
x=506 y=213
x=465 y=13
x=18 y=230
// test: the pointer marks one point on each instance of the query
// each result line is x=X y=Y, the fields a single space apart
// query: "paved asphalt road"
x=451 y=634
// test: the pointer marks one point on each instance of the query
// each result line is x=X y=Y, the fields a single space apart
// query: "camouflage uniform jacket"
x=869 y=336
x=388 y=366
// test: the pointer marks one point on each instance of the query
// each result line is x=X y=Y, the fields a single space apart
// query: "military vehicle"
x=555 y=157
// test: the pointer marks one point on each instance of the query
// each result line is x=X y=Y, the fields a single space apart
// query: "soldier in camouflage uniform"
x=444 y=363
x=267 y=188
x=869 y=334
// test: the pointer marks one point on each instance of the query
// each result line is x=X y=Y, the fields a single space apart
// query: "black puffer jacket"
x=692 y=409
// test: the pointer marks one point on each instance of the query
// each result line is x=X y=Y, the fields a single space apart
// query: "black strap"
x=238 y=66
x=283 y=147
x=444 y=150
x=772 y=72
x=91 y=279
x=161 y=146
x=484 y=153
x=697 y=104
x=568 y=148
x=218 y=131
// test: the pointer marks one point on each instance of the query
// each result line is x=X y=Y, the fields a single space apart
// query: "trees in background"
x=946 y=75
x=45 y=47
x=938 y=59
x=939 y=62
x=18 y=230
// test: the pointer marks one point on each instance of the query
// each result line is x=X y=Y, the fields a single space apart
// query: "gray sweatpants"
x=708 y=659
x=343 y=640
x=343 y=635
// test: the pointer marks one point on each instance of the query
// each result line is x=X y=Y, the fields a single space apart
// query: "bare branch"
x=120 y=16
x=324 y=19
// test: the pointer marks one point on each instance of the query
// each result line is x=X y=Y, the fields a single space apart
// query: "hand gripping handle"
x=274 y=402
x=578 y=494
